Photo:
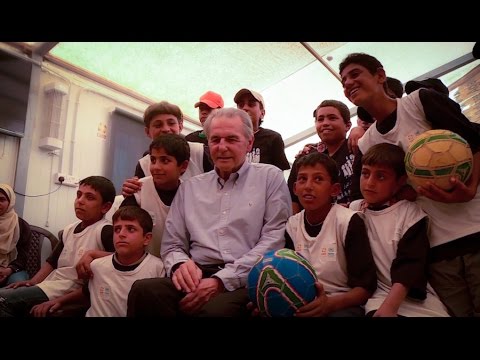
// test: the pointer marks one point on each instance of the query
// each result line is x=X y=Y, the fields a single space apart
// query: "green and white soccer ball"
x=436 y=156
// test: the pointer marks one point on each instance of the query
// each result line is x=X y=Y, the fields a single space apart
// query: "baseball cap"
x=211 y=99
x=255 y=94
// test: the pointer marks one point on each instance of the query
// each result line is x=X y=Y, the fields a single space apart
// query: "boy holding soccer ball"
x=333 y=239
x=397 y=230
x=454 y=215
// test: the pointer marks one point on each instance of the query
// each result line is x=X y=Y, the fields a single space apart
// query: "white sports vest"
x=385 y=229
x=148 y=199
x=64 y=277
x=326 y=251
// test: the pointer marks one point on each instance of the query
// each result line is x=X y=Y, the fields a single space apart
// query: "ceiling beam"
x=42 y=48
x=18 y=52
x=319 y=58
x=292 y=140
x=448 y=67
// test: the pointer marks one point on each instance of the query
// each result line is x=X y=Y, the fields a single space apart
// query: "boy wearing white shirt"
x=58 y=276
x=397 y=230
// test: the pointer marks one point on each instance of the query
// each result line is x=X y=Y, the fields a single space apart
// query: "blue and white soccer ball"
x=281 y=282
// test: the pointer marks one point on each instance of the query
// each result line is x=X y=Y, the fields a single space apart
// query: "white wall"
x=84 y=150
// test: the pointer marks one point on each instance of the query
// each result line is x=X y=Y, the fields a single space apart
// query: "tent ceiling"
x=291 y=79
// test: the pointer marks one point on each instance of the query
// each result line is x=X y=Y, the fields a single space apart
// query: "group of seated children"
x=361 y=267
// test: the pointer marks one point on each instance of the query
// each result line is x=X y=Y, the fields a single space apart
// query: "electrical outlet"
x=69 y=180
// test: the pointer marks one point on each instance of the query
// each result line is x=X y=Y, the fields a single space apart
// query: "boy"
x=268 y=146
x=207 y=103
x=114 y=274
x=169 y=159
x=58 y=276
x=454 y=230
x=164 y=118
x=332 y=121
x=333 y=238
x=398 y=237
x=394 y=89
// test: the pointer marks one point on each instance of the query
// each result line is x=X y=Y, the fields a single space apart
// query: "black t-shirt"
x=197 y=136
x=268 y=148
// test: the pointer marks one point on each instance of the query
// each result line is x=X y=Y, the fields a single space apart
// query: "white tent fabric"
x=293 y=77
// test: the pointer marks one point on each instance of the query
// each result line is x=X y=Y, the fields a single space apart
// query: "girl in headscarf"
x=15 y=237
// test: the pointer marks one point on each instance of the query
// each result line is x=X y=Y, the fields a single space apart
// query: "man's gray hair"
x=230 y=113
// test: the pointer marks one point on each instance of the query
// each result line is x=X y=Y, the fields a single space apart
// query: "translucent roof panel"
x=292 y=80
x=404 y=60
x=182 y=72
x=290 y=103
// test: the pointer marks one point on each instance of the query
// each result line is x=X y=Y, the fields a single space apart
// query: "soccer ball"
x=281 y=282
x=436 y=156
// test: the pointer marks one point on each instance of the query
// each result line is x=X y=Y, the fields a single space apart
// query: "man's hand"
x=131 y=186
x=193 y=302
x=48 y=307
x=187 y=277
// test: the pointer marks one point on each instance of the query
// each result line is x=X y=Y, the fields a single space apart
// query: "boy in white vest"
x=454 y=216
x=397 y=230
x=169 y=159
x=58 y=275
x=333 y=238
x=114 y=274
x=165 y=118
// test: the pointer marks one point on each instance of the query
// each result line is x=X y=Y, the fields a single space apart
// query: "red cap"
x=211 y=99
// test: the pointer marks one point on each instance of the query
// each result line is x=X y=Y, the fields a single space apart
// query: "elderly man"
x=219 y=225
